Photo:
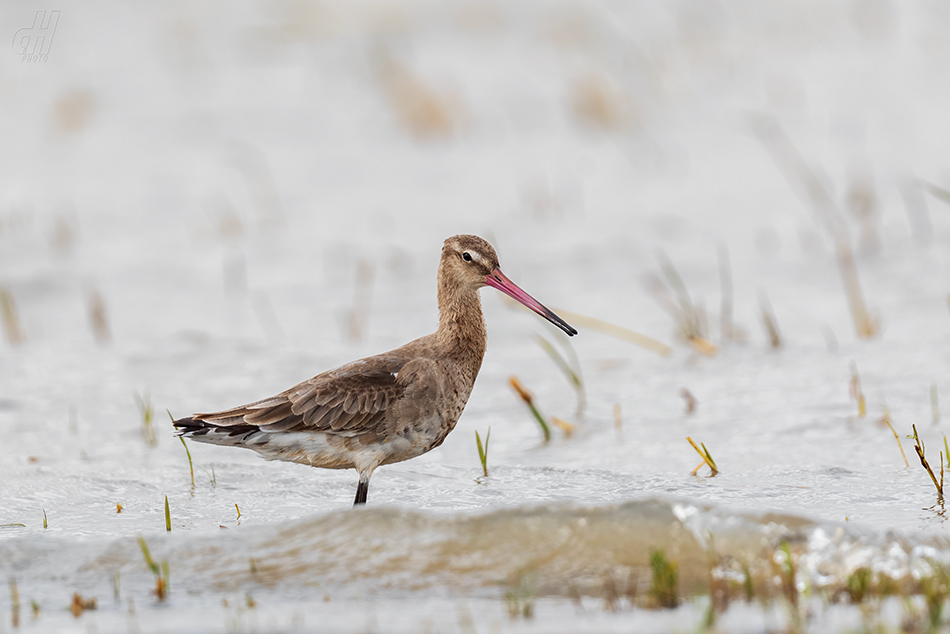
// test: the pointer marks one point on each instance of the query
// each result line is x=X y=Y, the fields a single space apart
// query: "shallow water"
x=234 y=167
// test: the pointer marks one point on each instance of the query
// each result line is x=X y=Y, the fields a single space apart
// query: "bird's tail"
x=214 y=433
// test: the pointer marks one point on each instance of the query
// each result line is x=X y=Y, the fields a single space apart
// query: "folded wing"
x=350 y=400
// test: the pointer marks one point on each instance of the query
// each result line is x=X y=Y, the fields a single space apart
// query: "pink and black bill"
x=497 y=279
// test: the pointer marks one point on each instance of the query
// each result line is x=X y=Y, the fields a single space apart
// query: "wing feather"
x=352 y=399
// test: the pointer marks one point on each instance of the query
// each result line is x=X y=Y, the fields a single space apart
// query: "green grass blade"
x=483 y=450
x=560 y=362
x=709 y=457
x=148 y=557
x=543 y=423
x=191 y=466
x=168 y=516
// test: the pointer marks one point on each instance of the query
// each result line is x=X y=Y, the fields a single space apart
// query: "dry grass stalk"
x=917 y=213
x=618 y=421
x=598 y=103
x=98 y=320
x=425 y=112
x=798 y=172
x=80 y=604
x=148 y=413
x=73 y=110
x=691 y=401
x=262 y=188
x=855 y=391
x=863 y=203
x=14 y=603
x=610 y=594
x=706 y=456
x=691 y=322
x=807 y=181
x=64 y=235
x=919 y=448
x=564 y=426
x=726 y=330
x=703 y=346
x=865 y=325
x=619 y=332
x=10 y=318
x=934 y=403
x=768 y=320
x=886 y=419
x=359 y=314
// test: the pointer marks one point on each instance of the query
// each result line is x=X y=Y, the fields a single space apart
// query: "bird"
x=385 y=408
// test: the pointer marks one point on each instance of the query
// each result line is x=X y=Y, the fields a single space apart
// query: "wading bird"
x=385 y=408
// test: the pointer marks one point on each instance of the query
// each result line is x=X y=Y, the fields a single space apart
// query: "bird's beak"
x=499 y=280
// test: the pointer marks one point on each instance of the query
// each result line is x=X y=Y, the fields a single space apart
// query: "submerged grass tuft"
x=858 y=584
x=664 y=586
x=520 y=596
x=787 y=573
x=936 y=590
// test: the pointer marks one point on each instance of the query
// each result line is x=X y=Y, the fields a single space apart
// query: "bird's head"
x=470 y=260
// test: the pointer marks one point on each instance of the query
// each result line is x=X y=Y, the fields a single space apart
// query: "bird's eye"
x=467 y=256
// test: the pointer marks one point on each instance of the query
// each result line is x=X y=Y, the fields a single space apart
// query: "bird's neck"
x=461 y=324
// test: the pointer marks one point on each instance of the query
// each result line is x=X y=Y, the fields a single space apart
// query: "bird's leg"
x=361 y=490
